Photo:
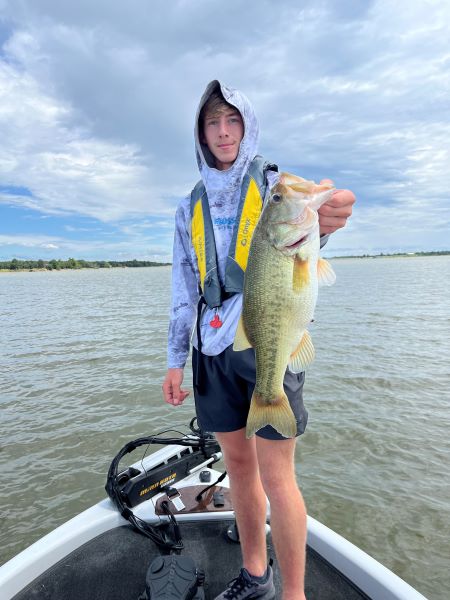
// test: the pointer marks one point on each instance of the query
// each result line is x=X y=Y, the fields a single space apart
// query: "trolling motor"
x=171 y=577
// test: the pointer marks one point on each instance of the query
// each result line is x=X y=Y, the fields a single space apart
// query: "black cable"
x=199 y=441
x=179 y=543
x=199 y=496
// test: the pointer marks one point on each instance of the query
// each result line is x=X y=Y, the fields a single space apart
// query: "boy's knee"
x=277 y=483
x=237 y=463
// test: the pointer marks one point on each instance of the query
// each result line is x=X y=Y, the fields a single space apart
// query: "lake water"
x=82 y=358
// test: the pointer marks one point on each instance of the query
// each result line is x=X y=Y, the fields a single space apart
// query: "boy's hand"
x=173 y=394
x=334 y=214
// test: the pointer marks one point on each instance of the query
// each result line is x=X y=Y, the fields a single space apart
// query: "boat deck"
x=113 y=567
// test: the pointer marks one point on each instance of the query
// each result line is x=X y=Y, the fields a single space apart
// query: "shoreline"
x=43 y=270
x=399 y=255
x=109 y=267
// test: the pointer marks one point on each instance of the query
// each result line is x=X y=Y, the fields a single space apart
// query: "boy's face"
x=222 y=133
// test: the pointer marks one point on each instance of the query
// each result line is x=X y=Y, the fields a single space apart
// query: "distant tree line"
x=382 y=254
x=73 y=263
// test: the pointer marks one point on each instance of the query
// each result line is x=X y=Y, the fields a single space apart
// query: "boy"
x=205 y=258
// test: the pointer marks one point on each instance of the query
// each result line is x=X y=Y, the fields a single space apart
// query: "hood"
x=232 y=177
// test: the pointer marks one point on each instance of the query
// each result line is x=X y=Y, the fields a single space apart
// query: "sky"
x=97 y=105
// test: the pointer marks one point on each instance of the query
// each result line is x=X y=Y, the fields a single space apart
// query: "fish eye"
x=277 y=198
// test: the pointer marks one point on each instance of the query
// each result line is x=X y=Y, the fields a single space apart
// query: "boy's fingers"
x=170 y=392
x=182 y=395
x=342 y=198
x=332 y=226
x=334 y=214
x=333 y=210
x=339 y=205
x=325 y=181
x=173 y=394
x=176 y=394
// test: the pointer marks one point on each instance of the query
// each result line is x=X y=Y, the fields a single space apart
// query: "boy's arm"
x=183 y=312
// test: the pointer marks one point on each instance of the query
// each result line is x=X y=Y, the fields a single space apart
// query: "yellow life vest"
x=253 y=191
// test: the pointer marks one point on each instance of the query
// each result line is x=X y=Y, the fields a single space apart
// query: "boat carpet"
x=113 y=566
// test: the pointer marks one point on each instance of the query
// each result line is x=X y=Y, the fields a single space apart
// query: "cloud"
x=65 y=168
x=28 y=241
x=97 y=104
x=35 y=246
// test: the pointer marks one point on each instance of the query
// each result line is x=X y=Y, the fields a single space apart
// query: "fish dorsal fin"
x=291 y=179
x=325 y=273
x=240 y=339
x=303 y=355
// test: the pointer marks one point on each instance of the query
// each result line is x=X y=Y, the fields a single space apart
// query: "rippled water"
x=81 y=364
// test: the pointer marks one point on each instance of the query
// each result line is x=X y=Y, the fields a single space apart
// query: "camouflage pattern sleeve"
x=184 y=294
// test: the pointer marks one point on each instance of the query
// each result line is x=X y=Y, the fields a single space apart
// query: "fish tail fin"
x=278 y=414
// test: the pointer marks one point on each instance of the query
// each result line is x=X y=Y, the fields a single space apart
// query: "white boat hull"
x=372 y=578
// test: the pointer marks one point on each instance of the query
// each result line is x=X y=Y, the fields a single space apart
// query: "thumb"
x=183 y=394
x=327 y=181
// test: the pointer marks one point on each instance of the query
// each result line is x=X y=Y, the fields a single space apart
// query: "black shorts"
x=223 y=388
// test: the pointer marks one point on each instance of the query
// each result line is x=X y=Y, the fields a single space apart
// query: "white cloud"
x=66 y=168
x=97 y=104
x=28 y=241
x=41 y=246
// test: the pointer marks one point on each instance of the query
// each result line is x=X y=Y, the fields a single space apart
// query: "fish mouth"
x=298 y=243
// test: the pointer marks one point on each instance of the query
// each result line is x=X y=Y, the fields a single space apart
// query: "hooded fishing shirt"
x=223 y=189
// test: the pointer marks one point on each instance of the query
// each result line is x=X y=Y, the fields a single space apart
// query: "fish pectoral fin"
x=278 y=414
x=300 y=274
x=325 y=273
x=303 y=355
x=240 y=339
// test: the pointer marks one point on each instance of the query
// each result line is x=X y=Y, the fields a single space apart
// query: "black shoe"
x=244 y=587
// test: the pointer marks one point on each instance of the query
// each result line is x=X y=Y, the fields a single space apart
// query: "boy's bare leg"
x=248 y=497
x=287 y=512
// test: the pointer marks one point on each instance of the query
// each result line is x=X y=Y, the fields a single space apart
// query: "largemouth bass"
x=280 y=293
